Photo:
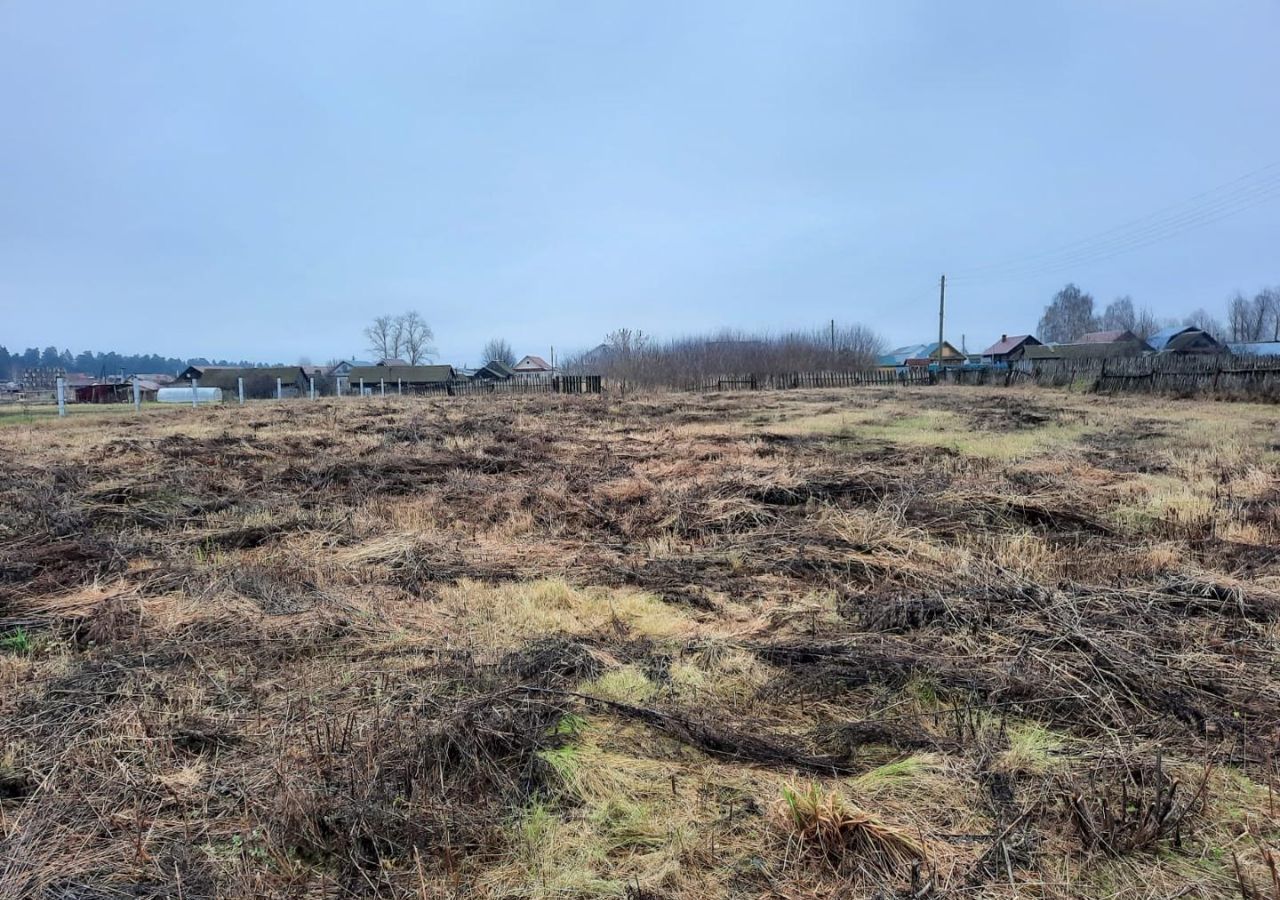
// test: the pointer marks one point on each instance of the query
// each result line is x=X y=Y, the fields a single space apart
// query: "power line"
x=1247 y=191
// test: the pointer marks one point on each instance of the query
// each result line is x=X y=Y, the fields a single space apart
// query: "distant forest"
x=109 y=363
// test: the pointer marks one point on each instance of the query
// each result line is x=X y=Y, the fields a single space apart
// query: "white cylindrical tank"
x=183 y=395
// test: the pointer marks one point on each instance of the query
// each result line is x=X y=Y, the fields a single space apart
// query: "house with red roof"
x=1009 y=348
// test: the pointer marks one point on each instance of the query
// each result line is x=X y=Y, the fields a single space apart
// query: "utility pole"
x=942 y=305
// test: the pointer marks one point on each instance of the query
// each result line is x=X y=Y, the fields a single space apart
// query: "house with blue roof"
x=920 y=356
x=1184 y=339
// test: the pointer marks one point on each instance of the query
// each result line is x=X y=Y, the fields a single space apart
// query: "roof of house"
x=1165 y=335
x=497 y=368
x=388 y=361
x=407 y=374
x=1108 y=337
x=1193 y=339
x=532 y=364
x=1254 y=348
x=1008 y=343
x=145 y=384
x=1082 y=350
x=899 y=355
x=225 y=376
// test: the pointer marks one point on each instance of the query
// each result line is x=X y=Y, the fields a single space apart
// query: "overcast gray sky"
x=257 y=179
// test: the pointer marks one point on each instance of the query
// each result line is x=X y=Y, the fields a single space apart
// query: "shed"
x=259 y=381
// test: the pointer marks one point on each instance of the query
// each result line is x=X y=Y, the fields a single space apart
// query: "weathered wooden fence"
x=791 y=380
x=1244 y=376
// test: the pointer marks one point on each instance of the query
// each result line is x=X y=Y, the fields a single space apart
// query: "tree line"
x=1073 y=313
x=634 y=359
x=12 y=364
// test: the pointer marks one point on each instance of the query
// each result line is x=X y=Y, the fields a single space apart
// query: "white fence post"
x=137 y=397
x=313 y=387
x=240 y=390
x=361 y=387
x=279 y=390
x=400 y=386
x=62 y=395
x=383 y=383
x=195 y=386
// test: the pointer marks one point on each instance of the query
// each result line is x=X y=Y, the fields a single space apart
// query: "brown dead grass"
x=939 y=641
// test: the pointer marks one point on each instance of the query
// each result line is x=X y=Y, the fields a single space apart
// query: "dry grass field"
x=937 y=642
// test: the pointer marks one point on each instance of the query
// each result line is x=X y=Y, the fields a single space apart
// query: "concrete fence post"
x=313 y=387
x=279 y=390
x=137 y=397
x=195 y=387
x=383 y=384
x=361 y=387
x=62 y=396
x=240 y=390
x=400 y=386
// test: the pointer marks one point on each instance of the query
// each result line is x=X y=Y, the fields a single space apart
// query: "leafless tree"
x=406 y=336
x=415 y=338
x=1205 y=321
x=631 y=358
x=383 y=336
x=1069 y=315
x=1247 y=318
x=1122 y=315
x=499 y=350
x=1269 y=299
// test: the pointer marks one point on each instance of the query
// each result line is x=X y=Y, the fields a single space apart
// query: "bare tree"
x=633 y=359
x=406 y=336
x=383 y=336
x=1119 y=315
x=1122 y=315
x=1247 y=319
x=499 y=350
x=1205 y=321
x=1069 y=315
x=1269 y=299
x=415 y=338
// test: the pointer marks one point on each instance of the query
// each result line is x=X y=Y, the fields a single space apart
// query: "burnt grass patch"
x=289 y=654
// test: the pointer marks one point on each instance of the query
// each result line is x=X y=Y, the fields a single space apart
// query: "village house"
x=342 y=367
x=395 y=379
x=921 y=356
x=493 y=370
x=533 y=368
x=1121 y=336
x=1009 y=348
x=1184 y=339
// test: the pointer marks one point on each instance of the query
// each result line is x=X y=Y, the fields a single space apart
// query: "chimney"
x=1003 y=338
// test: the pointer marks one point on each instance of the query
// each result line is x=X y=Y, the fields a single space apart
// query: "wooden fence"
x=791 y=380
x=1182 y=374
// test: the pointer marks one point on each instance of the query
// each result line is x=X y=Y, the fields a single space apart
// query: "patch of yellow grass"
x=505 y=615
